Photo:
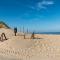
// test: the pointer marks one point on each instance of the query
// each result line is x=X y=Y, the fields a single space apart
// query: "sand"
x=46 y=47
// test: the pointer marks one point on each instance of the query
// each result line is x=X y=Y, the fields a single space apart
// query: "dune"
x=8 y=32
x=18 y=48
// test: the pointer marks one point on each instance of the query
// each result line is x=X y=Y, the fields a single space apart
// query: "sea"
x=55 y=33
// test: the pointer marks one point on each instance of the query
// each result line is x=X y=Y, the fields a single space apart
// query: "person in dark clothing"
x=15 y=31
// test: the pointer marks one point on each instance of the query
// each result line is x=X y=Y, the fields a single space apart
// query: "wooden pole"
x=23 y=29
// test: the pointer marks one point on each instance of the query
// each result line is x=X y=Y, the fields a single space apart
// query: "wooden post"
x=27 y=31
x=3 y=36
x=20 y=29
x=24 y=36
x=23 y=29
x=32 y=35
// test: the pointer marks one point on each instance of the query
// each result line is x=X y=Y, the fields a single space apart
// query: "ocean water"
x=56 y=33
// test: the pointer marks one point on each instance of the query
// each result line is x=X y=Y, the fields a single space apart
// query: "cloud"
x=42 y=5
x=32 y=7
x=47 y=2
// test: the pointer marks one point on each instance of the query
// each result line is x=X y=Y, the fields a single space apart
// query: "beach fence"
x=24 y=33
x=3 y=37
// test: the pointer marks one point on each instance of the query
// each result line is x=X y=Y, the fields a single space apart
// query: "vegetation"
x=3 y=23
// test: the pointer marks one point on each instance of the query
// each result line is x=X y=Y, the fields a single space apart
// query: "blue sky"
x=38 y=15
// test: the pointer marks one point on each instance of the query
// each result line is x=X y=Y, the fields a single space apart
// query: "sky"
x=34 y=15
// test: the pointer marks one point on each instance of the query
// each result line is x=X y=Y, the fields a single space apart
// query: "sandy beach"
x=44 y=47
x=29 y=30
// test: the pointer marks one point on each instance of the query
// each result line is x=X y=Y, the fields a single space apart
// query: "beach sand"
x=44 y=47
